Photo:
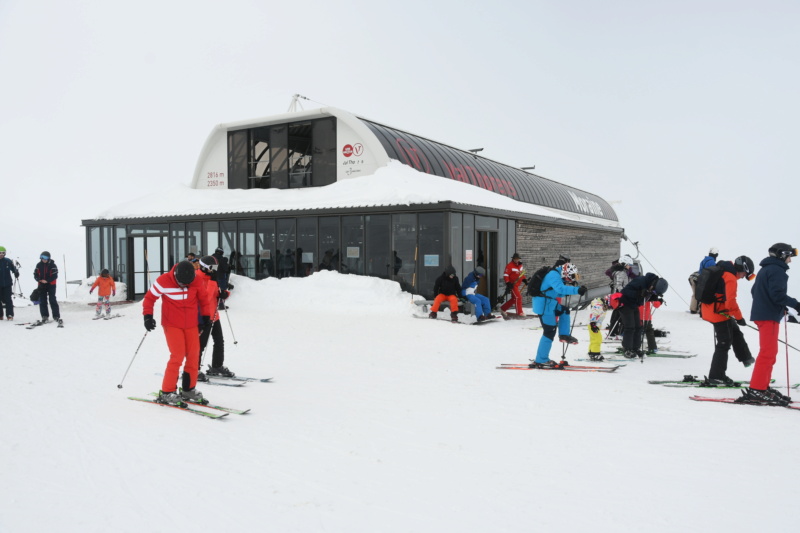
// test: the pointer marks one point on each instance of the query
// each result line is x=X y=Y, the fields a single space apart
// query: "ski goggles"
x=44 y=257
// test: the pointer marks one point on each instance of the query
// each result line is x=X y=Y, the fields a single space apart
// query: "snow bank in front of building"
x=393 y=185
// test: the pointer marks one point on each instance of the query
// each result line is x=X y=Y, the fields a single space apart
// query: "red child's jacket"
x=106 y=286
x=179 y=304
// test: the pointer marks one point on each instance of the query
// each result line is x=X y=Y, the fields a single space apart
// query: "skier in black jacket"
x=446 y=287
x=46 y=274
x=640 y=290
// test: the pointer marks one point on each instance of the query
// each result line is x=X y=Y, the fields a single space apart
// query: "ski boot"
x=629 y=354
x=433 y=315
x=547 y=364
x=170 y=398
x=193 y=395
x=596 y=356
x=219 y=372
x=202 y=378
x=569 y=339
x=454 y=318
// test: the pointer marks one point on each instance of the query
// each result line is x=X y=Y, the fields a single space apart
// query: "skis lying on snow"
x=212 y=406
x=187 y=409
x=38 y=323
x=793 y=405
x=561 y=366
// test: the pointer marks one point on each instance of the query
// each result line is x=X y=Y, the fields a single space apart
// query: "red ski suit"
x=179 y=307
x=513 y=274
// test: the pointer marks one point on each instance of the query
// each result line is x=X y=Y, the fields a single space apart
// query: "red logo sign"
x=347 y=151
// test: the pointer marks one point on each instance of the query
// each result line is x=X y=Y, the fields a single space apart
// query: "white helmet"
x=713 y=251
x=569 y=272
x=626 y=260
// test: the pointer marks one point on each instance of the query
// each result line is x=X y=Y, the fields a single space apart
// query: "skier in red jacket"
x=182 y=295
x=513 y=276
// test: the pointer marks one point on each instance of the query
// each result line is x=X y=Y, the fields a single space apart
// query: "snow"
x=377 y=421
x=395 y=184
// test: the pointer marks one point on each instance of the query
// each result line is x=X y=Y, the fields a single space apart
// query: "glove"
x=525 y=281
x=582 y=290
x=149 y=323
x=223 y=295
x=113 y=293
x=16 y=275
x=91 y=291
x=594 y=327
x=797 y=307
x=206 y=320
x=509 y=286
x=741 y=322
x=793 y=319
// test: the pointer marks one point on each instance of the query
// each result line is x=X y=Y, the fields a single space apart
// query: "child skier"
x=106 y=288
x=597 y=313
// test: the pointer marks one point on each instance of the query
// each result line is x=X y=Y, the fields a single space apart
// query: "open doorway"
x=486 y=249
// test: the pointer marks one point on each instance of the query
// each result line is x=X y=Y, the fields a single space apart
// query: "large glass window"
x=244 y=263
x=228 y=234
x=211 y=231
x=287 y=253
x=353 y=244
x=279 y=156
x=379 y=255
x=267 y=264
x=94 y=256
x=329 y=243
x=431 y=251
x=404 y=251
x=177 y=233
x=259 y=159
x=120 y=266
x=194 y=238
x=324 y=153
x=299 y=155
x=237 y=159
x=306 y=245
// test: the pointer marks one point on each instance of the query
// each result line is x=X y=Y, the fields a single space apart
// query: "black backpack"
x=705 y=289
x=535 y=281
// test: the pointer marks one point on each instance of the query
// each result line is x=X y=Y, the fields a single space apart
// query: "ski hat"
x=660 y=286
x=45 y=256
x=515 y=256
x=104 y=272
x=208 y=262
x=219 y=251
x=745 y=264
x=714 y=251
x=626 y=260
x=449 y=270
x=184 y=273
x=782 y=250
x=480 y=271
x=2 y=249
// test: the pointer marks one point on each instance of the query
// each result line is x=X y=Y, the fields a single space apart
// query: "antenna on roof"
x=475 y=150
x=528 y=168
x=295 y=103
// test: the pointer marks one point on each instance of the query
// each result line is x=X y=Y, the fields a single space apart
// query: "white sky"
x=683 y=113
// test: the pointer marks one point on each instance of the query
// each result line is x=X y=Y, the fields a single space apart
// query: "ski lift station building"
x=323 y=189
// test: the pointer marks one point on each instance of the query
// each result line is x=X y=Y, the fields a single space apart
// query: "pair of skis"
x=792 y=405
x=561 y=366
x=109 y=317
x=38 y=323
x=221 y=411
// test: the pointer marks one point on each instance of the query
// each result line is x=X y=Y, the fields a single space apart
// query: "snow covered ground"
x=377 y=421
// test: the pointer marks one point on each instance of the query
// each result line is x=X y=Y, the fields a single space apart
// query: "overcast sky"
x=683 y=114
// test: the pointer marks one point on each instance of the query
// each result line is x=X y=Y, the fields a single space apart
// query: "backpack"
x=705 y=289
x=535 y=281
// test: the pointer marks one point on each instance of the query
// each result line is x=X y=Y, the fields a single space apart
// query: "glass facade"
x=410 y=248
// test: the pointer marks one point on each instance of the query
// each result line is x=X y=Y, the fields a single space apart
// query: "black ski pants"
x=632 y=327
x=727 y=334
x=215 y=332
x=48 y=292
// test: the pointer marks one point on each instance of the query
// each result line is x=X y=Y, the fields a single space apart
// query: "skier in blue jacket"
x=479 y=301
x=710 y=260
x=560 y=281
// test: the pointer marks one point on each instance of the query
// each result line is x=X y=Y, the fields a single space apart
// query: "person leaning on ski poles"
x=554 y=317
x=634 y=295
x=181 y=293
x=726 y=316
x=6 y=283
x=770 y=301
x=513 y=275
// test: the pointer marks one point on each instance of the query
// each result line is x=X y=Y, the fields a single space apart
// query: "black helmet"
x=219 y=251
x=45 y=256
x=184 y=272
x=515 y=256
x=208 y=262
x=781 y=250
x=660 y=286
x=449 y=270
x=744 y=264
x=480 y=271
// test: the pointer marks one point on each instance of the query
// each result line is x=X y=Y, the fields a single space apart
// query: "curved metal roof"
x=441 y=160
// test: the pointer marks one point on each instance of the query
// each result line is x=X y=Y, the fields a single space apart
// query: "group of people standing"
x=46 y=275
x=770 y=303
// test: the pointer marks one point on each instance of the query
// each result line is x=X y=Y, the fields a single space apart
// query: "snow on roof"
x=394 y=185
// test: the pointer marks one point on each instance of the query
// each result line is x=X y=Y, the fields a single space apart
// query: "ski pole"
x=754 y=328
x=786 y=336
x=229 y=325
x=571 y=328
x=132 y=358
